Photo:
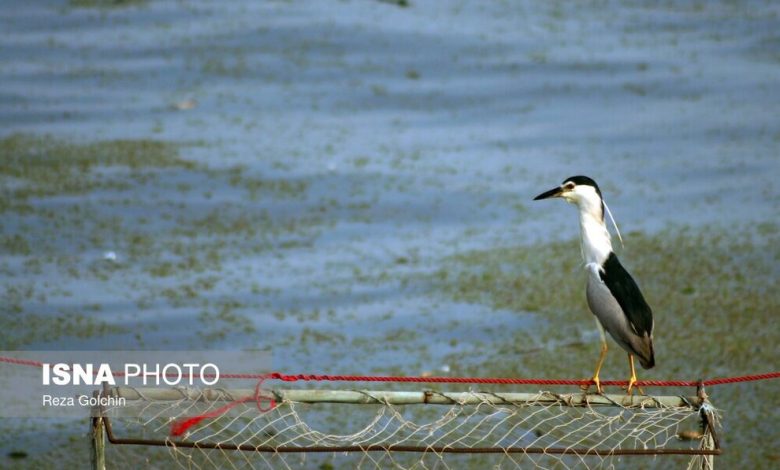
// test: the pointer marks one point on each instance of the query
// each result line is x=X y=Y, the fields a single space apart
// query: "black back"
x=627 y=293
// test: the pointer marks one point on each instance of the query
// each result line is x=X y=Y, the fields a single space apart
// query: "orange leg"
x=632 y=379
x=595 y=378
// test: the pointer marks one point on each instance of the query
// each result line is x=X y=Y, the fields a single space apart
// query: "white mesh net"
x=323 y=429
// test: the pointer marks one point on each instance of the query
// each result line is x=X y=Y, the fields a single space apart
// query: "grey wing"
x=611 y=316
x=627 y=294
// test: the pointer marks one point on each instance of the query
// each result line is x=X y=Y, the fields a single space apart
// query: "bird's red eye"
x=569 y=185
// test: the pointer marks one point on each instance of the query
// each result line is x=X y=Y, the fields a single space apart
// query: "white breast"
x=595 y=242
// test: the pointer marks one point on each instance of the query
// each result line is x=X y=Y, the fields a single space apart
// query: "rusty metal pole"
x=98 y=444
x=98 y=438
x=708 y=422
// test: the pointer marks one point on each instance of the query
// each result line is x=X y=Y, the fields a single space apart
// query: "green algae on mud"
x=43 y=166
x=66 y=203
x=106 y=4
x=20 y=329
x=714 y=296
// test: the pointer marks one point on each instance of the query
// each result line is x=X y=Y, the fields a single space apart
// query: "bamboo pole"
x=404 y=397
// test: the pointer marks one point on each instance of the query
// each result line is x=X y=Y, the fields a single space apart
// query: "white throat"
x=595 y=242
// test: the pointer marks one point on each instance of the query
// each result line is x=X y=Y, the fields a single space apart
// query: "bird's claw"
x=632 y=386
x=594 y=381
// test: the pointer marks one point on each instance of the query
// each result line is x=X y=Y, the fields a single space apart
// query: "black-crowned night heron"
x=613 y=296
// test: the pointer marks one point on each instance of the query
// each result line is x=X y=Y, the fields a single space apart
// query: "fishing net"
x=324 y=429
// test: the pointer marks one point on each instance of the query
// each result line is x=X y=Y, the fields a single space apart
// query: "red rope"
x=180 y=427
x=513 y=381
x=21 y=362
x=454 y=380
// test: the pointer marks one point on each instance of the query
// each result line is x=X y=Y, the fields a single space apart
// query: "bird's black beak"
x=555 y=192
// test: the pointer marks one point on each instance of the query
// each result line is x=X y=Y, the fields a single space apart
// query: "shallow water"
x=331 y=159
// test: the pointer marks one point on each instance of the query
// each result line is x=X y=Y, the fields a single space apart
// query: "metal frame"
x=102 y=424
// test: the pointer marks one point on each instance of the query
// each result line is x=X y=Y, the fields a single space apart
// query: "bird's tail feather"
x=647 y=361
